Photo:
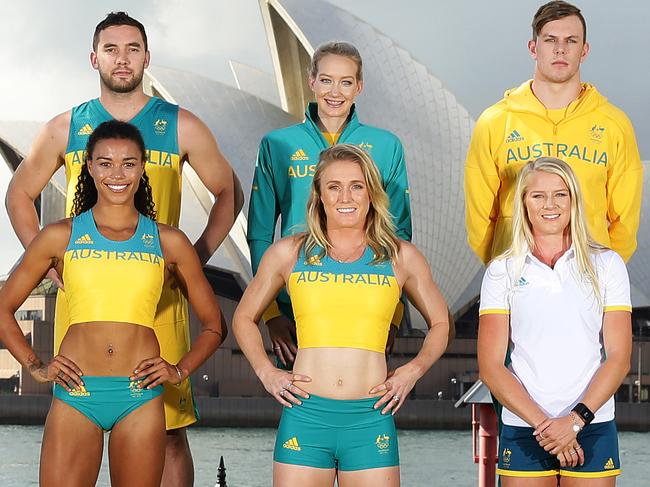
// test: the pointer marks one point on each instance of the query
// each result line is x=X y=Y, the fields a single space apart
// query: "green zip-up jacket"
x=286 y=163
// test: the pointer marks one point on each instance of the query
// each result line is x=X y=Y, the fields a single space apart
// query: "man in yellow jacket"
x=554 y=114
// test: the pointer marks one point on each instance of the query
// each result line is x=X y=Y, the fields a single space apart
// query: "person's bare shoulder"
x=407 y=252
x=190 y=124
x=55 y=133
x=410 y=261
x=168 y=231
x=175 y=245
x=54 y=237
x=59 y=227
x=172 y=236
x=61 y=122
x=186 y=116
x=48 y=148
x=288 y=245
x=284 y=252
x=196 y=138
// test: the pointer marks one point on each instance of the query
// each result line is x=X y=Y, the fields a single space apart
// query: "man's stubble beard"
x=123 y=87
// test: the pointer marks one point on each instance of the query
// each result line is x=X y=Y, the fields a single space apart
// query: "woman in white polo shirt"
x=558 y=305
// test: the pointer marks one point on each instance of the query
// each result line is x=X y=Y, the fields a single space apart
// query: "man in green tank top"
x=120 y=55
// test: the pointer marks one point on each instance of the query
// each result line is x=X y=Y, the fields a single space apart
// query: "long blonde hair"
x=380 y=230
x=522 y=233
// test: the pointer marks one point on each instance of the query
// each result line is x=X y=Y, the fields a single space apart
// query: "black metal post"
x=221 y=474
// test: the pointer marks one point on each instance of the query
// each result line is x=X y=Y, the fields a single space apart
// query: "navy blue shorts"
x=521 y=456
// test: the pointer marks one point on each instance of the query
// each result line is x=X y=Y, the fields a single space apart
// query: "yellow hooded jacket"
x=591 y=134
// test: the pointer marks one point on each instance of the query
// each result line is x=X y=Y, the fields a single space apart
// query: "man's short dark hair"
x=118 y=18
x=556 y=10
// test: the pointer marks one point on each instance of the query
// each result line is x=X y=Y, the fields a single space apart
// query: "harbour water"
x=428 y=458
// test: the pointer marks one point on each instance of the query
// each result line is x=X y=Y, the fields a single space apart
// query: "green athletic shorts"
x=334 y=433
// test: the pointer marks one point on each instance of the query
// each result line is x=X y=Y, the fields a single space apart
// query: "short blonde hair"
x=380 y=230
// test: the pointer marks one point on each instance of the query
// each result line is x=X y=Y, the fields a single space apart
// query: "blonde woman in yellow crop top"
x=344 y=277
x=109 y=373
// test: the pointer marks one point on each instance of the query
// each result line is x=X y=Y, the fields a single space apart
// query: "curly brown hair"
x=85 y=196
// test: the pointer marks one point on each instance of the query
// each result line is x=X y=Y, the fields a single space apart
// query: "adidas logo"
x=79 y=392
x=609 y=465
x=85 y=130
x=292 y=444
x=514 y=137
x=522 y=282
x=84 y=239
x=299 y=155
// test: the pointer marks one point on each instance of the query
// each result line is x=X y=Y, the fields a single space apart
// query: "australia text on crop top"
x=339 y=304
x=108 y=280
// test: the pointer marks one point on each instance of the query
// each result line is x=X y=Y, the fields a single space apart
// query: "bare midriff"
x=108 y=348
x=340 y=373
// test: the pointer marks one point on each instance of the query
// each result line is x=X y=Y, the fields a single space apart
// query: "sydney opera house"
x=435 y=130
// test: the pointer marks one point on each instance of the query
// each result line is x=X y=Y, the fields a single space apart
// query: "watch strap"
x=584 y=412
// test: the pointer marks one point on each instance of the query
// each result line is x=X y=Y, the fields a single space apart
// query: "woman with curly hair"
x=345 y=276
x=108 y=374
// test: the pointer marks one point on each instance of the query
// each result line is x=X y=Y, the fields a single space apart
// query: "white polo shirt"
x=556 y=323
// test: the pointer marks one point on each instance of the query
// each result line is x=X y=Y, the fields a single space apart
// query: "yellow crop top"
x=338 y=304
x=107 y=280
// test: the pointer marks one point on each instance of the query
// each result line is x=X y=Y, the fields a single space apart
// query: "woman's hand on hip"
x=60 y=370
x=281 y=385
x=396 y=388
x=154 y=371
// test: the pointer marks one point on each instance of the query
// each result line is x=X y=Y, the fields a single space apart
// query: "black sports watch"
x=584 y=412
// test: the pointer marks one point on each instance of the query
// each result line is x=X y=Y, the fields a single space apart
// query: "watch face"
x=584 y=413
